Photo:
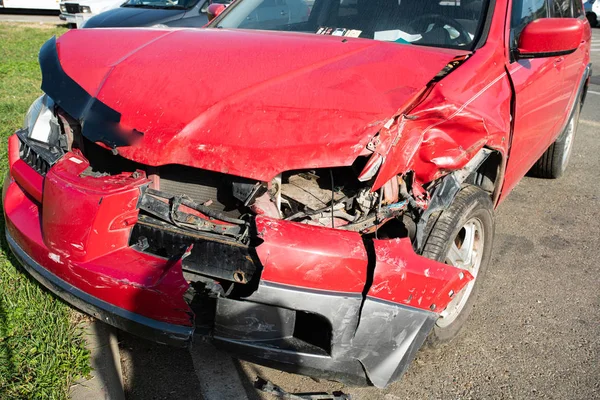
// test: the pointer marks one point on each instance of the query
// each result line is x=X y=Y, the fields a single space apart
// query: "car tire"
x=554 y=161
x=470 y=214
x=592 y=19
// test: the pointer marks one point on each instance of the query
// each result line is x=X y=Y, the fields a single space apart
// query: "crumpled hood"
x=248 y=103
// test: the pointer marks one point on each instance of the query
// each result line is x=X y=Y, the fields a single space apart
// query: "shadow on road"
x=153 y=371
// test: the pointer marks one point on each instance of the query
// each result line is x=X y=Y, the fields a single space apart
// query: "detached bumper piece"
x=305 y=299
x=268 y=387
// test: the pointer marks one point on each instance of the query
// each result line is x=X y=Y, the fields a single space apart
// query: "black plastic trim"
x=529 y=56
x=99 y=122
x=485 y=32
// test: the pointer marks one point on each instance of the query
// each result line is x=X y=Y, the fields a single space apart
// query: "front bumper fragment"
x=160 y=332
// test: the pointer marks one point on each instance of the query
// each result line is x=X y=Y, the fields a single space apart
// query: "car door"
x=539 y=105
x=574 y=65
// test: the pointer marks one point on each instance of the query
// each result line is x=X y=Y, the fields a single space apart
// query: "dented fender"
x=449 y=125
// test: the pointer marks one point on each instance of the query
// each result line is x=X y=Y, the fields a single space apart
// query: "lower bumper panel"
x=374 y=344
x=160 y=332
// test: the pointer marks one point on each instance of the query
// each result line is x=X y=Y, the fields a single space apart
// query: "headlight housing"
x=38 y=118
x=86 y=9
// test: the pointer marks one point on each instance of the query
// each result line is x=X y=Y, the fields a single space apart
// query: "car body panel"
x=348 y=109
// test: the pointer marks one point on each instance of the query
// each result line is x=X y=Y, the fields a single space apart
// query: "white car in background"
x=30 y=4
x=76 y=12
x=592 y=11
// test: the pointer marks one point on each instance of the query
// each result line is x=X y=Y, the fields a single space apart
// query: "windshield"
x=179 y=4
x=440 y=23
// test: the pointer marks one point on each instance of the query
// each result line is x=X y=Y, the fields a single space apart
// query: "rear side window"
x=524 y=12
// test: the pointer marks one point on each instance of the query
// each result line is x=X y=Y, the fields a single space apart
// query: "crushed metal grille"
x=72 y=8
x=32 y=159
x=204 y=187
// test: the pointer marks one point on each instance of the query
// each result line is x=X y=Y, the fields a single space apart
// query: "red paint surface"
x=548 y=35
x=295 y=100
x=402 y=276
x=85 y=229
x=71 y=239
x=13 y=149
x=31 y=182
x=311 y=257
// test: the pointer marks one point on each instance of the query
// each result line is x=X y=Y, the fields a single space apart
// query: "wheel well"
x=486 y=176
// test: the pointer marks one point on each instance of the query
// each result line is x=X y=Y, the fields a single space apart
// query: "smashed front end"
x=312 y=271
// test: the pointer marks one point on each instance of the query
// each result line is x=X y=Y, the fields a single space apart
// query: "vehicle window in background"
x=269 y=14
x=180 y=4
x=524 y=12
x=561 y=9
x=440 y=23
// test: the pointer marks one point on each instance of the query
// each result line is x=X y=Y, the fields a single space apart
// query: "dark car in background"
x=195 y=13
x=153 y=13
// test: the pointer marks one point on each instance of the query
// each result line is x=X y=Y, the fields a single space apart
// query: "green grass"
x=41 y=348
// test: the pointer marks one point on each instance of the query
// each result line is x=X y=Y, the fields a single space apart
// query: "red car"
x=316 y=194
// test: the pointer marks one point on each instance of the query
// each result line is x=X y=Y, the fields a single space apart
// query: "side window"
x=578 y=8
x=524 y=12
x=561 y=9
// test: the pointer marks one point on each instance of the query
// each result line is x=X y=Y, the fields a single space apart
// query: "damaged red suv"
x=314 y=192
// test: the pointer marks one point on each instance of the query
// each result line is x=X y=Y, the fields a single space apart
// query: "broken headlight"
x=38 y=119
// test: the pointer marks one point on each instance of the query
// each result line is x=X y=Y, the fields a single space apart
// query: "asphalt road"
x=535 y=332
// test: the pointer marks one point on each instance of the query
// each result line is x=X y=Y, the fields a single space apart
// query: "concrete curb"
x=216 y=372
x=106 y=380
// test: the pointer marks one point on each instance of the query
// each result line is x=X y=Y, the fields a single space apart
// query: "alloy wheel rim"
x=466 y=252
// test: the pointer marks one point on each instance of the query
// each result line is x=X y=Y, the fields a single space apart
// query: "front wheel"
x=592 y=19
x=461 y=236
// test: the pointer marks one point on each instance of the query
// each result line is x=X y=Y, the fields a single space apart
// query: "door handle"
x=558 y=60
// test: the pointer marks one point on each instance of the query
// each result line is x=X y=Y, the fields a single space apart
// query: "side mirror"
x=214 y=10
x=550 y=37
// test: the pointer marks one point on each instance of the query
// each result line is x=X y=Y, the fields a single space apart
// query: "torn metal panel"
x=446 y=191
x=401 y=276
x=388 y=338
x=451 y=125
